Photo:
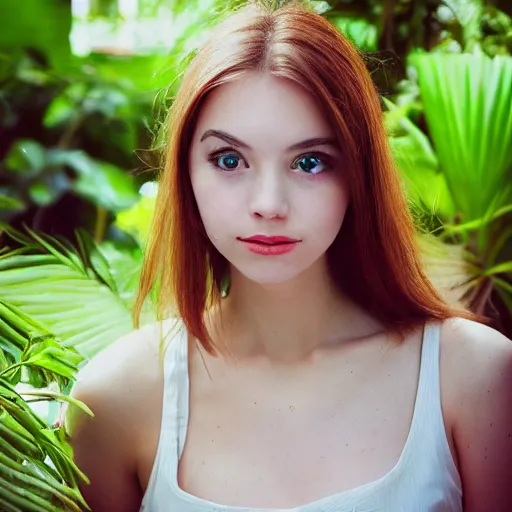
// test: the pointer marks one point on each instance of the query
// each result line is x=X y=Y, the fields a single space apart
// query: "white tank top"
x=425 y=478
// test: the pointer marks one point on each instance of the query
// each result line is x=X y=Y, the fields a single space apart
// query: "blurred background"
x=84 y=89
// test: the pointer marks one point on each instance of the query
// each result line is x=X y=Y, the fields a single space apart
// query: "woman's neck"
x=286 y=322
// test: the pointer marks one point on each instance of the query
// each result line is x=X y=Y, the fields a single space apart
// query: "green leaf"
x=501 y=268
x=42 y=194
x=60 y=397
x=92 y=254
x=102 y=183
x=137 y=219
x=11 y=203
x=26 y=157
x=468 y=100
x=424 y=182
x=51 y=356
x=81 y=311
x=360 y=31
x=60 y=111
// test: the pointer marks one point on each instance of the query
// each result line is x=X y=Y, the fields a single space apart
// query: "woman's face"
x=264 y=163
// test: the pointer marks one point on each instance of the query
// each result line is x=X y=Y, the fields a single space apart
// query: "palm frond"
x=36 y=469
x=468 y=108
x=73 y=293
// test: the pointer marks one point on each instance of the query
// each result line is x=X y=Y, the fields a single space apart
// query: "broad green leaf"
x=107 y=186
x=80 y=311
x=102 y=183
x=468 y=105
x=26 y=157
x=425 y=184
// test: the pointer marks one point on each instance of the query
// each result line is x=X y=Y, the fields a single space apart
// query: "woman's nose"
x=268 y=198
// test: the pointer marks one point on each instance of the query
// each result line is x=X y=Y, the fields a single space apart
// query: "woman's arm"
x=105 y=447
x=479 y=364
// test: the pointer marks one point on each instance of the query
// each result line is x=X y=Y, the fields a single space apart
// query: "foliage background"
x=84 y=88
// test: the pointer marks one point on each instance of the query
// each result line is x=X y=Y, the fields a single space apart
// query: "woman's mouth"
x=269 y=245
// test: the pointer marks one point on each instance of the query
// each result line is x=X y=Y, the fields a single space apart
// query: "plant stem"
x=101 y=224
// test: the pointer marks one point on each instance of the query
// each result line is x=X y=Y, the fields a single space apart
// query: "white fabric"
x=425 y=478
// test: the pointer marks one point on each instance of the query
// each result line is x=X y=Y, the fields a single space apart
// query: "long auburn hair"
x=374 y=259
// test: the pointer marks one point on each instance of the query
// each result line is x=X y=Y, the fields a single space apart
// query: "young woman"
x=310 y=366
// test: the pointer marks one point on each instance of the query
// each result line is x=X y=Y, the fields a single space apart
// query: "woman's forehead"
x=263 y=109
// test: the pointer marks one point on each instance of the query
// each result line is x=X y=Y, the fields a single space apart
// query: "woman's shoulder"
x=476 y=361
x=121 y=380
x=476 y=377
x=474 y=352
x=128 y=362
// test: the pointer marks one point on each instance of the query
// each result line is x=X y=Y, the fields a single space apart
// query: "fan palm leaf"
x=468 y=109
x=72 y=293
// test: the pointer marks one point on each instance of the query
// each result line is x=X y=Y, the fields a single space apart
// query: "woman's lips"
x=269 y=245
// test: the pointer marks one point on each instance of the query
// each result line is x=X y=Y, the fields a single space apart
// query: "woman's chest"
x=280 y=443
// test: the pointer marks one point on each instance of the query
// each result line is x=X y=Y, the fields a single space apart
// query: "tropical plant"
x=463 y=184
x=36 y=469
x=77 y=294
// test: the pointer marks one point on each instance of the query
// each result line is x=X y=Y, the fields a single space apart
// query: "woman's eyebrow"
x=309 y=143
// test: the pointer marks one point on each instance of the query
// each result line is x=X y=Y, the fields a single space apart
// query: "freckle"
x=346 y=444
x=255 y=403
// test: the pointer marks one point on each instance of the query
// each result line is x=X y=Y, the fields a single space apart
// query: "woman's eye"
x=309 y=164
x=226 y=161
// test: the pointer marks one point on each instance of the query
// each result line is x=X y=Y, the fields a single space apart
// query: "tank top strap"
x=429 y=389
x=174 y=413
x=429 y=441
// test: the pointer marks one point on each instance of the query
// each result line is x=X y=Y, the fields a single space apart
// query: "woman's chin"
x=270 y=275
